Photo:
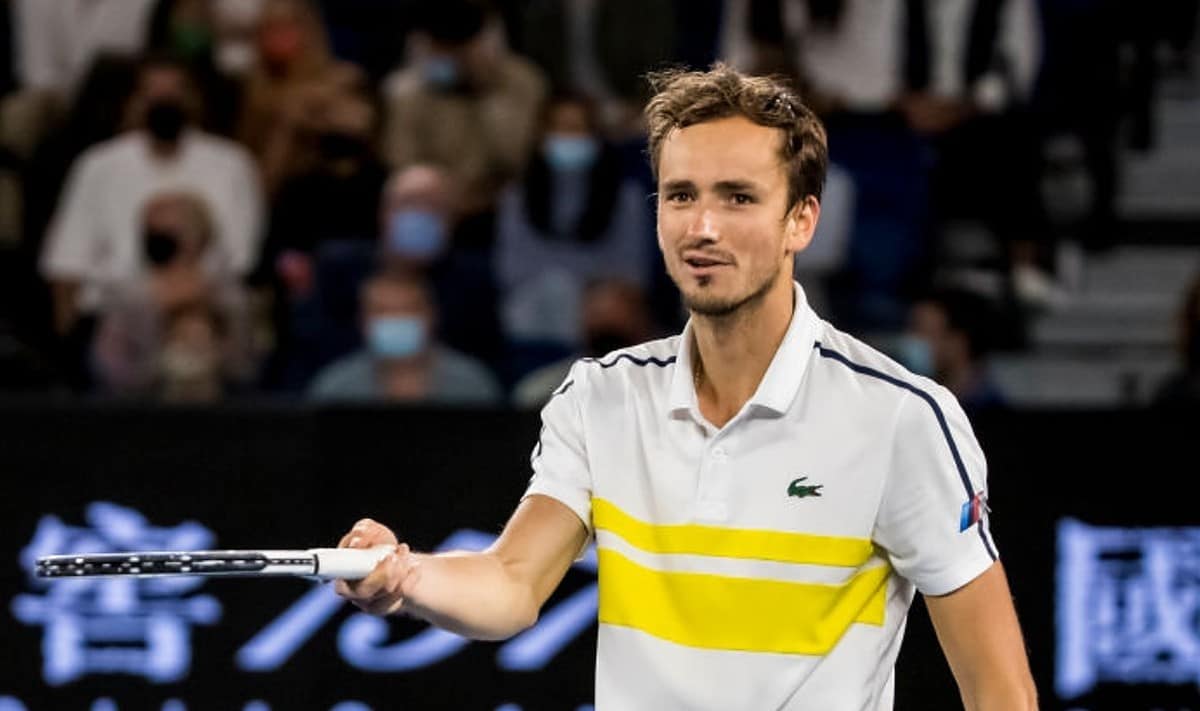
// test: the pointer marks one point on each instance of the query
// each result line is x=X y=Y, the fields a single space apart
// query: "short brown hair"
x=683 y=98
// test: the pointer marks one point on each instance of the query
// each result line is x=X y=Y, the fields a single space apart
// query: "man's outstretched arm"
x=488 y=595
x=978 y=630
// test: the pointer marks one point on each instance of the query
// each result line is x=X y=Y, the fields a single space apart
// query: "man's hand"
x=491 y=594
x=382 y=592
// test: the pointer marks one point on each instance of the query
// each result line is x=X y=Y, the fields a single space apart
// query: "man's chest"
x=801 y=474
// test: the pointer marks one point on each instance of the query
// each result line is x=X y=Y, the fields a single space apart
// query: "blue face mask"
x=416 y=234
x=441 y=72
x=570 y=153
x=916 y=354
x=392 y=337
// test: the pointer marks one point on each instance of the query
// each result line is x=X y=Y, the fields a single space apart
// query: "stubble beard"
x=716 y=307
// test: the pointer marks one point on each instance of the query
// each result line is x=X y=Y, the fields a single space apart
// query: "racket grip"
x=348 y=563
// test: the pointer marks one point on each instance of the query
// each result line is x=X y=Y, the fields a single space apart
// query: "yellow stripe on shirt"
x=731 y=613
x=756 y=544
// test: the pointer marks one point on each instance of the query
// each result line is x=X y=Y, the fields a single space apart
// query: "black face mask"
x=600 y=343
x=161 y=247
x=339 y=146
x=165 y=120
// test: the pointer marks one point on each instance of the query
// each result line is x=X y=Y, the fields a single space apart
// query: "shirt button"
x=718 y=452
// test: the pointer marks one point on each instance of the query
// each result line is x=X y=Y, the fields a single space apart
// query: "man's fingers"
x=382 y=592
x=367 y=533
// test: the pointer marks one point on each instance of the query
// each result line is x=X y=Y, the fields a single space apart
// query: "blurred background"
x=255 y=245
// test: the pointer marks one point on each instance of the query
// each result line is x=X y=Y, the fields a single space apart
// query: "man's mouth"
x=704 y=262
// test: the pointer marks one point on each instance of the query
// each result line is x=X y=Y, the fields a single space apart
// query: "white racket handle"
x=347 y=563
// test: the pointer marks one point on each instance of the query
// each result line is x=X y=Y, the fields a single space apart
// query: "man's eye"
x=678 y=197
x=742 y=199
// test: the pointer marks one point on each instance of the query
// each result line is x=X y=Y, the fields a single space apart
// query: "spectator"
x=901 y=82
x=403 y=362
x=93 y=240
x=573 y=218
x=422 y=230
x=188 y=31
x=1183 y=389
x=949 y=340
x=417 y=219
x=464 y=102
x=190 y=366
x=235 y=23
x=321 y=244
x=336 y=198
x=180 y=308
x=291 y=89
x=603 y=49
x=615 y=314
x=57 y=41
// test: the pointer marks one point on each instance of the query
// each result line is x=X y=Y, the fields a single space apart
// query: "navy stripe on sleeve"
x=937 y=411
x=640 y=362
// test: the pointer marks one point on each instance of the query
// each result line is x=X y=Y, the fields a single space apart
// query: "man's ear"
x=801 y=224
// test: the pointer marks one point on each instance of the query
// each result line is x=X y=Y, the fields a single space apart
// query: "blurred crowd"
x=448 y=201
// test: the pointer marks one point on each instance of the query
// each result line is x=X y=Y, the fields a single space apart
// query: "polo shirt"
x=769 y=563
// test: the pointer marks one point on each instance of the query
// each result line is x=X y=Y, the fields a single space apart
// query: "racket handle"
x=348 y=563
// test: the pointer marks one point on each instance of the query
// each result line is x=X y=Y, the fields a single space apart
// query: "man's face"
x=723 y=224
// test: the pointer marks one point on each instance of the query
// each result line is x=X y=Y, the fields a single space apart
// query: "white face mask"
x=235 y=57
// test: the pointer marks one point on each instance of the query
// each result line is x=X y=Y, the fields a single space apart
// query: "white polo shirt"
x=770 y=563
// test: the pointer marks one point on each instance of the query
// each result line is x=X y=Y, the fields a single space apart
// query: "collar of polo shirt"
x=783 y=377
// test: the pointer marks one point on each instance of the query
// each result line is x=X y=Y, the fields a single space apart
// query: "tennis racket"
x=321 y=563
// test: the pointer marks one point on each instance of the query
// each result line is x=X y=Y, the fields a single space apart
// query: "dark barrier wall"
x=1092 y=514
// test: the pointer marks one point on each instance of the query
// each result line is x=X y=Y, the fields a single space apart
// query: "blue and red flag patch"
x=972 y=511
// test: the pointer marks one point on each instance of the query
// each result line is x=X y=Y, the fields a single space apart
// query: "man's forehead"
x=723 y=150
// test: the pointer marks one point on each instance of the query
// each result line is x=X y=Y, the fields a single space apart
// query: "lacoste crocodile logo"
x=801 y=490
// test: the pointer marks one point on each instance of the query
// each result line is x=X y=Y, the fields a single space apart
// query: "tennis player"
x=765 y=492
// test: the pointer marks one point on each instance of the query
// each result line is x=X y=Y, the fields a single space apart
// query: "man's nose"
x=704 y=226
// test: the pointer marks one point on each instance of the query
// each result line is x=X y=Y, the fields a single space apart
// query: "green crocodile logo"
x=801 y=490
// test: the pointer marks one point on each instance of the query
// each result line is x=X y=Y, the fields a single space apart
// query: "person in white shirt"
x=766 y=493
x=94 y=237
x=57 y=40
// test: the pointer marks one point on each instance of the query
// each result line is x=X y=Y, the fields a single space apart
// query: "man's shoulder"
x=463 y=378
x=122 y=149
x=862 y=368
x=351 y=376
x=652 y=361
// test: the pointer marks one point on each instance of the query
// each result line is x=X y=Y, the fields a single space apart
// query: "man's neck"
x=731 y=354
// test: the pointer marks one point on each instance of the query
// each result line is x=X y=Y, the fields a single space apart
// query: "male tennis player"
x=765 y=492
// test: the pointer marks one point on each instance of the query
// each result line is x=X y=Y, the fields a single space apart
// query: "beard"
x=718 y=307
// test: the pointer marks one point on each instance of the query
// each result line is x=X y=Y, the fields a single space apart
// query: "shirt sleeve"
x=559 y=459
x=933 y=519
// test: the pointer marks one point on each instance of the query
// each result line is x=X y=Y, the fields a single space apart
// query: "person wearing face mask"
x=401 y=360
x=93 y=241
x=132 y=353
x=948 y=340
x=294 y=82
x=463 y=101
x=188 y=31
x=572 y=219
x=420 y=228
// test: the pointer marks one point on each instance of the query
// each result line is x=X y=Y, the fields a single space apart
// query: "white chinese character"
x=125 y=625
x=1128 y=606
